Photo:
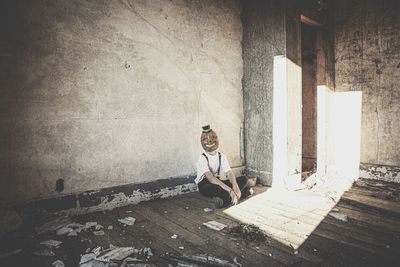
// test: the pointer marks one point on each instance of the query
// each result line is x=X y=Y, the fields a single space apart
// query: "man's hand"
x=237 y=191
x=235 y=186
x=234 y=197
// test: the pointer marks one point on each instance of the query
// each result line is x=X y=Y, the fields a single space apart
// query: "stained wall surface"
x=263 y=38
x=309 y=97
x=106 y=93
x=367 y=53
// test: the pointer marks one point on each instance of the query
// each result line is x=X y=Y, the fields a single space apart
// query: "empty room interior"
x=225 y=133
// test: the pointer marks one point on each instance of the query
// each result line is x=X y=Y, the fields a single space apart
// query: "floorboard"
x=369 y=237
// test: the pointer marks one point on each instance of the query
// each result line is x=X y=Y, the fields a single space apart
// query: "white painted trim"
x=286 y=126
x=279 y=127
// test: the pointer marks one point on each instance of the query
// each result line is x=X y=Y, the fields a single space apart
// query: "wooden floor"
x=370 y=237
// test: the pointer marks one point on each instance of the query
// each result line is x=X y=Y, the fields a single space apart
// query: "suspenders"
x=219 y=162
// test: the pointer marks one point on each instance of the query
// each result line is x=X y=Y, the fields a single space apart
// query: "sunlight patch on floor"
x=287 y=216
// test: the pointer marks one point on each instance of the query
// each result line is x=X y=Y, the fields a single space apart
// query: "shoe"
x=251 y=191
x=218 y=202
x=247 y=192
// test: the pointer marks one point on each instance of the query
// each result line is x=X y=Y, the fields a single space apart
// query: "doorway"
x=309 y=99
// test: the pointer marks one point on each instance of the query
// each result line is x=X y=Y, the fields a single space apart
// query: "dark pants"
x=208 y=189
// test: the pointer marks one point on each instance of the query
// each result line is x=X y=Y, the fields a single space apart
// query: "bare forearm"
x=234 y=183
x=214 y=180
x=231 y=178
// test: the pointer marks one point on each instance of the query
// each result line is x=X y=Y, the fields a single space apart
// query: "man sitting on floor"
x=210 y=166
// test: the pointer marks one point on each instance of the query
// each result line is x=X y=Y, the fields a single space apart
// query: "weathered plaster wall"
x=367 y=51
x=263 y=38
x=106 y=93
x=309 y=96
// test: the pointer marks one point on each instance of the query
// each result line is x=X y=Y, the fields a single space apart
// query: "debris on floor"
x=236 y=261
x=339 y=216
x=97 y=233
x=64 y=231
x=147 y=252
x=392 y=195
x=52 y=225
x=113 y=256
x=116 y=253
x=51 y=243
x=200 y=260
x=10 y=253
x=208 y=210
x=214 y=225
x=58 y=263
x=88 y=260
x=47 y=252
x=47 y=247
x=73 y=229
x=135 y=262
x=9 y=221
x=133 y=250
x=89 y=225
x=96 y=257
x=248 y=232
x=127 y=221
x=76 y=229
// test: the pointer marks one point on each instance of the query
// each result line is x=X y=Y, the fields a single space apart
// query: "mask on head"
x=209 y=139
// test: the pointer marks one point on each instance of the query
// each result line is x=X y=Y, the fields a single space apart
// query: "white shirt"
x=212 y=165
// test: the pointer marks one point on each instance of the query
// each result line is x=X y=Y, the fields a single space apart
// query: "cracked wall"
x=367 y=54
x=263 y=38
x=107 y=93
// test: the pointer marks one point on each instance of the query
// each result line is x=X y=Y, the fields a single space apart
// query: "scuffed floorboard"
x=370 y=235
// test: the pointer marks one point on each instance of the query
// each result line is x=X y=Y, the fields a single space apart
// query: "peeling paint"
x=111 y=197
x=121 y=199
x=380 y=172
x=93 y=192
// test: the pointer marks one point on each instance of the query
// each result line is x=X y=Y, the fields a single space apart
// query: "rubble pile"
x=200 y=261
x=117 y=257
x=248 y=232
